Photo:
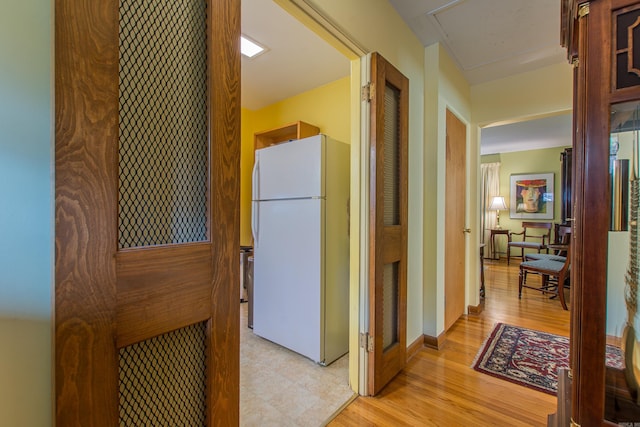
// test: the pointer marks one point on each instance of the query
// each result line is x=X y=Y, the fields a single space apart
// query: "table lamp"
x=498 y=204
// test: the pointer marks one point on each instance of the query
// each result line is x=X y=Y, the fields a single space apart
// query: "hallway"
x=439 y=388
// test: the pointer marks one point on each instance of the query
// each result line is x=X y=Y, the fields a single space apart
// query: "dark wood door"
x=454 y=222
x=147 y=152
x=388 y=223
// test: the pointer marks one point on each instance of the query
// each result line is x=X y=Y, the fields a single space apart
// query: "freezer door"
x=288 y=275
x=290 y=170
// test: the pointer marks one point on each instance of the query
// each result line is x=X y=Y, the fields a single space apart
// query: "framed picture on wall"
x=531 y=196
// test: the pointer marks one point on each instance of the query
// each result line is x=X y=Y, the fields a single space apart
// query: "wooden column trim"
x=224 y=327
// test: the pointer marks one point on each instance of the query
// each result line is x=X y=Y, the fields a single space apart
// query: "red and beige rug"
x=530 y=358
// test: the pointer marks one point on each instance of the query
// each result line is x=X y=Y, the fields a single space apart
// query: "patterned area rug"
x=530 y=358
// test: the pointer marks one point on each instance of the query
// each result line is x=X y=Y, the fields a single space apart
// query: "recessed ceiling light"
x=250 y=48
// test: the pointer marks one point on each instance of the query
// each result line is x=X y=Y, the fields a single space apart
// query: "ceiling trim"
x=321 y=24
x=524 y=118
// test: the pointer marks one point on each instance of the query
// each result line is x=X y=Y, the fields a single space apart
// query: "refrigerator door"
x=290 y=170
x=288 y=291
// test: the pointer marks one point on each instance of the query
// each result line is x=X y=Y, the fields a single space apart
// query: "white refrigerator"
x=300 y=215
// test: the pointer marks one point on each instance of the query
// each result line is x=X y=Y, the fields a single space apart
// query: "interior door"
x=454 y=223
x=147 y=151
x=389 y=99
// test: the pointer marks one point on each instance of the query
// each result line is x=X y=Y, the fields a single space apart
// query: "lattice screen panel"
x=163 y=132
x=626 y=47
x=390 y=305
x=163 y=380
x=391 y=156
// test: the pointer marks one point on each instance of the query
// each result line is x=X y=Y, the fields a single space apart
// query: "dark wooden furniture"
x=548 y=269
x=566 y=160
x=620 y=400
x=562 y=238
x=535 y=235
x=603 y=43
x=497 y=232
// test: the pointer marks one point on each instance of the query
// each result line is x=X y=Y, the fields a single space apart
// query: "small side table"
x=496 y=232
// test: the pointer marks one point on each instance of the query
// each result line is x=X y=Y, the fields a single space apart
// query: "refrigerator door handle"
x=255 y=193
x=254 y=180
x=254 y=223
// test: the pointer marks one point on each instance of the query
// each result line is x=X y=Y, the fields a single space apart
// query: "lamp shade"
x=498 y=204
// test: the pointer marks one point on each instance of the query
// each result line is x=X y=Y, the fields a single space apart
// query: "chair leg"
x=561 y=291
x=520 y=278
x=508 y=254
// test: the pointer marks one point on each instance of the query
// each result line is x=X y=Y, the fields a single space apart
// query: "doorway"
x=276 y=381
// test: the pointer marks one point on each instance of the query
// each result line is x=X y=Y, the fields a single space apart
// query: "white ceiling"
x=488 y=39
x=548 y=132
x=297 y=59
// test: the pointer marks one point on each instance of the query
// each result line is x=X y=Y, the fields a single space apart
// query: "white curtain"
x=490 y=175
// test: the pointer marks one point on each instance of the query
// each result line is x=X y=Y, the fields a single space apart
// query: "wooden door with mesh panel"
x=147 y=221
x=388 y=223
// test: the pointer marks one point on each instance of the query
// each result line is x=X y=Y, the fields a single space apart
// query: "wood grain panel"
x=151 y=296
x=387 y=243
x=454 y=246
x=153 y=282
x=86 y=61
x=392 y=248
x=224 y=327
x=589 y=263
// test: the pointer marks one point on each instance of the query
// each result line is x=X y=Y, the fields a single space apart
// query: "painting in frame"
x=531 y=196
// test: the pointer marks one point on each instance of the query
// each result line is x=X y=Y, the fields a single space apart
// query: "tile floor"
x=281 y=388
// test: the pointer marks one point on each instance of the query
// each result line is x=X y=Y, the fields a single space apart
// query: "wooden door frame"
x=86 y=38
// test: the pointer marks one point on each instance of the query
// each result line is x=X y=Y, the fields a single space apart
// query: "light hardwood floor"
x=439 y=387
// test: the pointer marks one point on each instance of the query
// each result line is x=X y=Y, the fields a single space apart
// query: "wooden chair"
x=554 y=274
x=536 y=240
x=562 y=237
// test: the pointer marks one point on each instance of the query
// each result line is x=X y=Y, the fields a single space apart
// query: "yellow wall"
x=246 y=166
x=326 y=107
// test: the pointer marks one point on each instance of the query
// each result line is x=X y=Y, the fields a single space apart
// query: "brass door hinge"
x=368 y=92
x=366 y=342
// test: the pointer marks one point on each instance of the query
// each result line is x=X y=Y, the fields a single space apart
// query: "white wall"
x=25 y=213
x=446 y=88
